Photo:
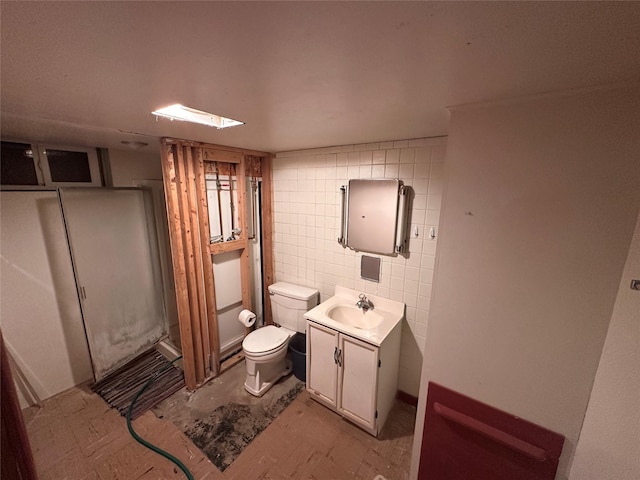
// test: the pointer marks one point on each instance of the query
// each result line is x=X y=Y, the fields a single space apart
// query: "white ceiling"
x=300 y=74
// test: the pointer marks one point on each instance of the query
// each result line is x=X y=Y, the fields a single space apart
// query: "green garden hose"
x=141 y=440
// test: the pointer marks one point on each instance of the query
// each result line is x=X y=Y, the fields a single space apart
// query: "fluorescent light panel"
x=186 y=114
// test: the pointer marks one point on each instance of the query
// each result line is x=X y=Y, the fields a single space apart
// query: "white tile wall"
x=306 y=196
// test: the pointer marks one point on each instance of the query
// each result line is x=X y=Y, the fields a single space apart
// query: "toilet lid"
x=265 y=339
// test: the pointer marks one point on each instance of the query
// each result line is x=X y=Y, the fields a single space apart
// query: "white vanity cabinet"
x=355 y=378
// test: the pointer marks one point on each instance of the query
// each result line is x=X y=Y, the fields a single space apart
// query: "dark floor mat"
x=119 y=387
x=231 y=427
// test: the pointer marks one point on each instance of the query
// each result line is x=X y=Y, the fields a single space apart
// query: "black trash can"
x=298 y=347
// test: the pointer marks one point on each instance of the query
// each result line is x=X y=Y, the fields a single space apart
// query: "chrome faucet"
x=364 y=303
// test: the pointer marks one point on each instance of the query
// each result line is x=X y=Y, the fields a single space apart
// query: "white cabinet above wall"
x=27 y=165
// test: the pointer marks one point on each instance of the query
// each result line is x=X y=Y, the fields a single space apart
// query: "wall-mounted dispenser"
x=374 y=216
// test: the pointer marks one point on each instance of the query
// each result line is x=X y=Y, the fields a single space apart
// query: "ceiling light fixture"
x=186 y=114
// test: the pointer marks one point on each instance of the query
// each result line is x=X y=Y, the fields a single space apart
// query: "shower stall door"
x=114 y=252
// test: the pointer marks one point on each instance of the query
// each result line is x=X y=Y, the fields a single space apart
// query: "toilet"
x=265 y=349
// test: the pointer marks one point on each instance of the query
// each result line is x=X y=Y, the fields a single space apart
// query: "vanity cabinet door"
x=358 y=384
x=322 y=366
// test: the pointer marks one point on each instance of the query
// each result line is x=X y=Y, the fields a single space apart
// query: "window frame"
x=43 y=170
x=92 y=158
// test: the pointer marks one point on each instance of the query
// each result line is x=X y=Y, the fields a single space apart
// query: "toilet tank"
x=290 y=302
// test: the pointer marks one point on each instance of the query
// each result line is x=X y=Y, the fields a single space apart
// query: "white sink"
x=341 y=313
x=355 y=317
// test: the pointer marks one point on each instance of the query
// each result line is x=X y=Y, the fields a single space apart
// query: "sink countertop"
x=391 y=311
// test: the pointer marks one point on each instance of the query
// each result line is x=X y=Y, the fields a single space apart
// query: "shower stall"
x=82 y=287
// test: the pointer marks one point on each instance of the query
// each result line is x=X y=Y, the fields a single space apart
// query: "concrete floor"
x=184 y=407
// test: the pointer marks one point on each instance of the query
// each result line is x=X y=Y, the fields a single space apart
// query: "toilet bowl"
x=265 y=352
x=265 y=349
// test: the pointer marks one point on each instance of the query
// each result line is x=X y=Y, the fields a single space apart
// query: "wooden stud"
x=221 y=155
x=207 y=264
x=192 y=279
x=253 y=166
x=268 y=268
x=245 y=267
x=222 y=148
x=178 y=262
x=198 y=250
x=224 y=247
x=222 y=167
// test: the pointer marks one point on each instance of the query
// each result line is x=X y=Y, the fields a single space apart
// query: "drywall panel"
x=540 y=204
x=226 y=268
x=127 y=166
x=609 y=445
x=39 y=311
x=228 y=285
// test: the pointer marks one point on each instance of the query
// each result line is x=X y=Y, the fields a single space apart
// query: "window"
x=17 y=165
x=26 y=165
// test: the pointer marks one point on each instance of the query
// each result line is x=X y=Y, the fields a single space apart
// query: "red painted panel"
x=470 y=440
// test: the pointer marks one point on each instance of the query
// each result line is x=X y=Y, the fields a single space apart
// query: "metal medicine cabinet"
x=374 y=216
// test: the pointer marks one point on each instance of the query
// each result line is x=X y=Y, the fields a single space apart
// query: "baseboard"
x=169 y=350
x=407 y=398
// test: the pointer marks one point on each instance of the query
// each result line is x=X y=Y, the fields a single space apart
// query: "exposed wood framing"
x=232 y=246
x=268 y=267
x=219 y=148
x=199 y=265
x=185 y=164
x=245 y=267
x=221 y=155
x=253 y=166
x=209 y=285
x=179 y=260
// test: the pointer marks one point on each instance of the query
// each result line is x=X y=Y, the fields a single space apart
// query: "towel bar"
x=491 y=432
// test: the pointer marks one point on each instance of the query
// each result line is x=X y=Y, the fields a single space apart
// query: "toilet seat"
x=265 y=340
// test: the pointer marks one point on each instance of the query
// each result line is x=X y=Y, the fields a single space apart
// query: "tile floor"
x=76 y=436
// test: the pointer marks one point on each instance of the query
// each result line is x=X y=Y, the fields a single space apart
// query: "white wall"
x=609 y=445
x=127 y=166
x=540 y=203
x=39 y=310
x=306 y=227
